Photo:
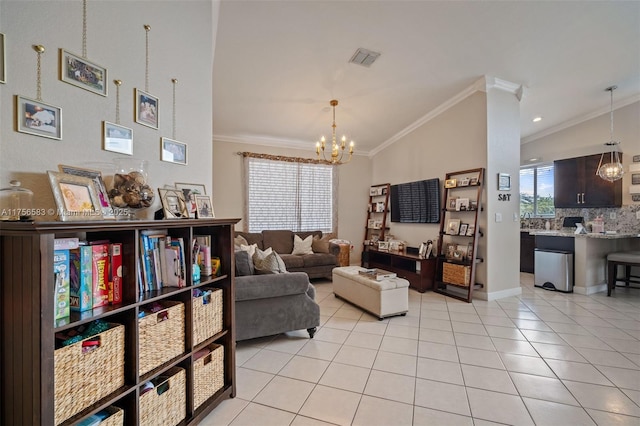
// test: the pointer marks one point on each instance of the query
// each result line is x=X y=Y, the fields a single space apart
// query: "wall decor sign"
x=37 y=118
x=3 y=60
x=80 y=72
x=146 y=109
x=504 y=182
x=173 y=151
x=117 y=138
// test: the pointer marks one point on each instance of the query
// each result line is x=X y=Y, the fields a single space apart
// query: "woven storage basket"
x=116 y=418
x=208 y=374
x=207 y=315
x=456 y=274
x=81 y=379
x=166 y=404
x=161 y=336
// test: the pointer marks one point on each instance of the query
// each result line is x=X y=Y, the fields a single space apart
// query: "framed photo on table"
x=101 y=189
x=190 y=191
x=204 y=207
x=75 y=196
x=173 y=203
x=37 y=118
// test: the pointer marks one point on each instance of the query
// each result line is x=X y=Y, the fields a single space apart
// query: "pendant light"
x=611 y=169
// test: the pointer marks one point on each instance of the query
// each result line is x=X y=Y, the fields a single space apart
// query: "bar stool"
x=627 y=259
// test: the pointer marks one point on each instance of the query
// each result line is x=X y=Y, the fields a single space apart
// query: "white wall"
x=180 y=45
x=589 y=138
x=353 y=196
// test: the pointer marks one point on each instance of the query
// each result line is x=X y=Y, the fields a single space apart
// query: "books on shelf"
x=377 y=274
x=161 y=262
x=61 y=283
x=81 y=278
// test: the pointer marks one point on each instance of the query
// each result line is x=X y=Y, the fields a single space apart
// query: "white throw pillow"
x=301 y=246
x=251 y=249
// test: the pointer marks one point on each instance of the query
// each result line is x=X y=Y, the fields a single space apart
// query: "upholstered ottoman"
x=383 y=298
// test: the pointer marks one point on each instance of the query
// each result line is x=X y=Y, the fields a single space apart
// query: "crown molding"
x=581 y=119
x=272 y=142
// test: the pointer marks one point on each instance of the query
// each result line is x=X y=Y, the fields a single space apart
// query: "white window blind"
x=290 y=195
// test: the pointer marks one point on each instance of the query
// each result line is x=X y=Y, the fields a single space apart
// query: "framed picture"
x=458 y=255
x=37 y=118
x=101 y=189
x=464 y=182
x=453 y=227
x=504 y=182
x=190 y=190
x=462 y=204
x=449 y=249
x=473 y=181
x=3 y=60
x=80 y=72
x=463 y=229
x=383 y=245
x=471 y=230
x=173 y=151
x=173 y=203
x=146 y=109
x=75 y=196
x=635 y=179
x=204 y=206
x=117 y=138
x=450 y=183
x=452 y=203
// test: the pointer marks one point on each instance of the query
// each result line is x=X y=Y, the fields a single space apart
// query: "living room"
x=455 y=133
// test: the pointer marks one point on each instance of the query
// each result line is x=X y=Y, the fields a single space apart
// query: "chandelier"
x=611 y=170
x=337 y=150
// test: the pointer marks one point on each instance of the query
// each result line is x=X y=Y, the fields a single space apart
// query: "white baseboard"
x=483 y=295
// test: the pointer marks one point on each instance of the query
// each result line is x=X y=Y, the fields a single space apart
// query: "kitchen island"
x=590 y=254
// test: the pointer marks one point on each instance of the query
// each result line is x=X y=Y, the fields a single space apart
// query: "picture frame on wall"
x=146 y=108
x=3 y=60
x=504 y=182
x=100 y=187
x=75 y=197
x=173 y=151
x=117 y=138
x=80 y=72
x=37 y=118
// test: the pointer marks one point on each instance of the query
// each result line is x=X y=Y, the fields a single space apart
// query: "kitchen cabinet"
x=577 y=185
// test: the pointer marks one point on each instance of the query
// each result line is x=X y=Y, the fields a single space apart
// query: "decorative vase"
x=130 y=186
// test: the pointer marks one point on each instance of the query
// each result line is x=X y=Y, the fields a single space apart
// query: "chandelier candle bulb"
x=337 y=150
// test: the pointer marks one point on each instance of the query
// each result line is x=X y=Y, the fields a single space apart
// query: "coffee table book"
x=377 y=274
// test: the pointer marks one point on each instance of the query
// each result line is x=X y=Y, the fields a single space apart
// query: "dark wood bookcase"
x=27 y=326
x=417 y=270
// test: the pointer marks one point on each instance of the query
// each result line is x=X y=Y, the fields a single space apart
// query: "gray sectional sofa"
x=269 y=304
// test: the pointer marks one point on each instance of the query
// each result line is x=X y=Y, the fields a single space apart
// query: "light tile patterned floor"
x=541 y=358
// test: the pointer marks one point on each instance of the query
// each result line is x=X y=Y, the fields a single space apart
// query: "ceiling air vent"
x=364 y=57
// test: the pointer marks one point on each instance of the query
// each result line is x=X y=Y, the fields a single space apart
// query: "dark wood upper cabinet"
x=577 y=184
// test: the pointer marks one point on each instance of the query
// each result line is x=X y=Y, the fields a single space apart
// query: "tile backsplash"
x=625 y=219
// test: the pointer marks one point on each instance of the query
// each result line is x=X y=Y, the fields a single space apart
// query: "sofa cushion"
x=318 y=259
x=292 y=261
x=302 y=246
x=238 y=241
x=251 y=249
x=320 y=245
x=244 y=263
x=252 y=238
x=281 y=241
x=305 y=234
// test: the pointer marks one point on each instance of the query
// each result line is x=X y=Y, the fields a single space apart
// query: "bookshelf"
x=459 y=233
x=27 y=329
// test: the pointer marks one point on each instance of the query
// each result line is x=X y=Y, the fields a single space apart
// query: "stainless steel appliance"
x=554 y=270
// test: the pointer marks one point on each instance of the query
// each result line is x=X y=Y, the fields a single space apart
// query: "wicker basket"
x=166 y=404
x=208 y=374
x=161 y=336
x=81 y=379
x=207 y=315
x=456 y=274
x=116 y=417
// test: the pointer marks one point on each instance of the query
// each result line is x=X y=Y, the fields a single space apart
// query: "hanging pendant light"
x=611 y=170
x=337 y=149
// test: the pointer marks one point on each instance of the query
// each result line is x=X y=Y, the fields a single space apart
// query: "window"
x=536 y=191
x=290 y=195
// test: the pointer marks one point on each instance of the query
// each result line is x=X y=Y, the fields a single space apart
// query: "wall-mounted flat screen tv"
x=416 y=202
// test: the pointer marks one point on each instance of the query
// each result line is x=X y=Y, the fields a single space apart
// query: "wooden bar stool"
x=627 y=259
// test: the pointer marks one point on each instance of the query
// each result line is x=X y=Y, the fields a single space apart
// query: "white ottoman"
x=383 y=298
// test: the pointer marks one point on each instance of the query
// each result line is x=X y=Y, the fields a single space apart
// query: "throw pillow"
x=301 y=246
x=251 y=249
x=239 y=241
x=261 y=254
x=244 y=263
x=269 y=264
x=320 y=245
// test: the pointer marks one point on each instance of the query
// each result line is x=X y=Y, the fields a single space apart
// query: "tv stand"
x=418 y=271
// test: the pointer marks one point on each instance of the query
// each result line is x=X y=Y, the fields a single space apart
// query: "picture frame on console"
x=173 y=203
x=204 y=207
x=98 y=182
x=75 y=196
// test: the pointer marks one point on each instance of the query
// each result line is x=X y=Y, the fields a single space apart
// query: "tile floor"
x=541 y=358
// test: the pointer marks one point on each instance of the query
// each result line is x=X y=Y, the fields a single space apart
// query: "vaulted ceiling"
x=277 y=64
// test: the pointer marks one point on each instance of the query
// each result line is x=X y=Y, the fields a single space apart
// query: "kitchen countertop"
x=571 y=234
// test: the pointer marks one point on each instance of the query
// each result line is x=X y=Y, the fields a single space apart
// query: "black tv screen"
x=416 y=202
